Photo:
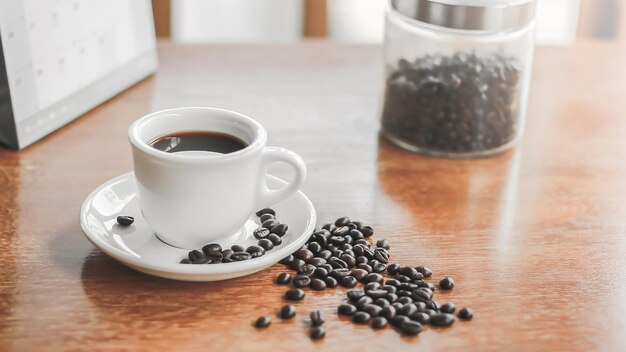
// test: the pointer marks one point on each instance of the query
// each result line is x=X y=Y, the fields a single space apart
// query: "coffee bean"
x=320 y=273
x=441 y=319
x=296 y=264
x=362 y=260
x=341 y=231
x=447 y=283
x=410 y=327
x=427 y=285
x=403 y=278
x=398 y=320
x=269 y=224
x=393 y=269
x=125 y=220
x=420 y=305
x=367 y=231
x=317 y=332
x=392 y=282
x=226 y=253
x=237 y=248
x=407 y=286
x=255 y=251
x=265 y=211
x=283 y=278
x=325 y=254
x=240 y=256
x=317 y=284
x=409 y=272
x=266 y=244
x=379 y=268
x=420 y=317
x=372 y=309
x=185 y=261
x=261 y=233
x=389 y=312
x=424 y=271
x=295 y=294
x=421 y=295
x=363 y=301
x=304 y=254
x=356 y=234
x=360 y=317
x=331 y=282
x=346 y=309
x=355 y=295
x=373 y=277
x=216 y=257
x=383 y=243
x=339 y=273
x=276 y=241
x=447 y=308
x=301 y=281
x=389 y=288
x=429 y=312
x=342 y=221
x=404 y=299
x=288 y=311
x=263 y=322
x=198 y=257
x=307 y=269
x=466 y=313
x=381 y=302
x=212 y=247
x=348 y=281
x=316 y=318
x=358 y=274
x=348 y=259
x=371 y=286
x=378 y=323
x=280 y=229
x=407 y=309
x=365 y=267
x=314 y=247
x=377 y=293
x=266 y=217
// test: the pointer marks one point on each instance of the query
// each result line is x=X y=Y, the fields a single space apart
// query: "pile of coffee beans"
x=342 y=253
x=456 y=104
x=269 y=234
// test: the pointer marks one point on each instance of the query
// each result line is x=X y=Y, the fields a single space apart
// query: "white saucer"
x=138 y=247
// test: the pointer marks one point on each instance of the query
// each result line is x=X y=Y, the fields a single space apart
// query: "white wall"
x=236 y=21
x=355 y=21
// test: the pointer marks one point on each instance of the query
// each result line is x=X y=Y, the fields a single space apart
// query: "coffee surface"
x=200 y=141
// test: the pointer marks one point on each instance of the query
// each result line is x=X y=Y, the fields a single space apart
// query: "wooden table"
x=535 y=237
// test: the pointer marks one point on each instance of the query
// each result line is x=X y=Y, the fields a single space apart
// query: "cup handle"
x=267 y=197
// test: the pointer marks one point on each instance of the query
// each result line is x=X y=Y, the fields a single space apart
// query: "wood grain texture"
x=535 y=237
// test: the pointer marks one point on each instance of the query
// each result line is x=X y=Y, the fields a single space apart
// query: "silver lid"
x=485 y=15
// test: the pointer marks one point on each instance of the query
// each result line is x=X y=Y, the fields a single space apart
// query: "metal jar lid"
x=482 y=15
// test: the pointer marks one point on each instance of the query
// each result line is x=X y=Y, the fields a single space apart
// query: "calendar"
x=61 y=58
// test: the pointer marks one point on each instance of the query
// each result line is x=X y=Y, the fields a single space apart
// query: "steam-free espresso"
x=203 y=141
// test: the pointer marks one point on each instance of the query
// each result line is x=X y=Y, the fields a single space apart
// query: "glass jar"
x=457 y=75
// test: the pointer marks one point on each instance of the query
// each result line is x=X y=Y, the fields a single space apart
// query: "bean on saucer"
x=266 y=211
x=125 y=220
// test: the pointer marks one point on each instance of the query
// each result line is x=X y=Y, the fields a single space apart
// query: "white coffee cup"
x=191 y=199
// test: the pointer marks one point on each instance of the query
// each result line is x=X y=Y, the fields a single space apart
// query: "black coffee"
x=198 y=141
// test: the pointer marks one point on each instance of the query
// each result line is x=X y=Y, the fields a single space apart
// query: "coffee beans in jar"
x=458 y=74
x=458 y=104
